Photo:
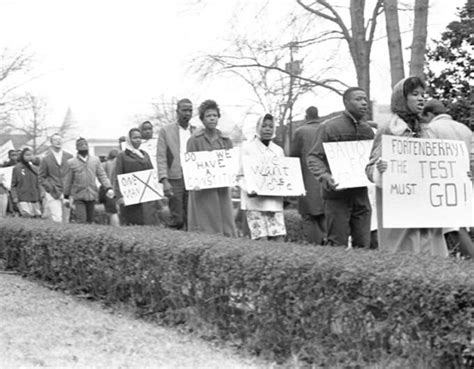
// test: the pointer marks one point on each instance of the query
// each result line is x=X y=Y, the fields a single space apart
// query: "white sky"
x=108 y=60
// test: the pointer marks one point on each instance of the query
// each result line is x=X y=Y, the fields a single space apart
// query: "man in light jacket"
x=80 y=182
x=172 y=141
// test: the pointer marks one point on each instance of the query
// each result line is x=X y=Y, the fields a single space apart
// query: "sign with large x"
x=139 y=187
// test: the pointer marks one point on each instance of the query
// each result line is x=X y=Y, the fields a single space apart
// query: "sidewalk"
x=40 y=327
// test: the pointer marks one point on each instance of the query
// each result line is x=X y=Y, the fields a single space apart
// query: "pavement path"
x=40 y=327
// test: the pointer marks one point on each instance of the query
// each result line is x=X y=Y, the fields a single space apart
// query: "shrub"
x=325 y=305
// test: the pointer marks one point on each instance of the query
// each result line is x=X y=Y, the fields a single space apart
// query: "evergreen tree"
x=449 y=69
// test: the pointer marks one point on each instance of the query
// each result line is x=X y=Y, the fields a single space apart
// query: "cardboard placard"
x=210 y=169
x=347 y=161
x=139 y=187
x=6 y=177
x=426 y=184
x=273 y=176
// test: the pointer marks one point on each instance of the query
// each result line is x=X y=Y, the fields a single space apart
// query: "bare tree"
x=394 y=40
x=15 y=72
x=31 y=118
x=261 y=66
x=359 y=35
x=418 y=46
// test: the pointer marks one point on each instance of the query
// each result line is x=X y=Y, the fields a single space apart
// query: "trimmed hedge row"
x=326 y=306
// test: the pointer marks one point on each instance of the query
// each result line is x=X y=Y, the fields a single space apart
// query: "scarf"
x=400 y=108
x=129 y=147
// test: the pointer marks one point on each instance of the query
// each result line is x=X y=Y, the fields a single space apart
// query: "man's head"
x=431 y=109
x=82 y=146
x=13 y=156
x=56 y=141
x=184 y=112
x=355 y=102
x=146 y=129
x=311 y=113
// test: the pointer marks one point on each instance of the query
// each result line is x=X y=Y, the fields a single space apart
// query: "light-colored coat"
x=80 y=180
x=168 y=152
x=255 y=148
x=427 y=241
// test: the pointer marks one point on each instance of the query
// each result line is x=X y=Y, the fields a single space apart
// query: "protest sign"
x=373 y=204
x=6 y=177
x=139 y=187
x=347 y=161
x=210 y=169
x=150 y=147
x=4 y=151
x=426 y=184
x=273 y=176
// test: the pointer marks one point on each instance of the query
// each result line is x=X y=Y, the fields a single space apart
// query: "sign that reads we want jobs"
x=210 y=169
x=426 y=184
x=273 y=176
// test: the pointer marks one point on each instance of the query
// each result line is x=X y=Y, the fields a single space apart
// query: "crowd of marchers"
x=51 y=186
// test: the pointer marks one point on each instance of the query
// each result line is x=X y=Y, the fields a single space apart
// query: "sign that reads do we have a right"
x=210 y=169
x=426 y=183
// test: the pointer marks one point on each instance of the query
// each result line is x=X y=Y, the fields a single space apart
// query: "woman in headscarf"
x=210 y=210
x=132 y=159
x=406 y=105
x=26 y=190
x=263 y=214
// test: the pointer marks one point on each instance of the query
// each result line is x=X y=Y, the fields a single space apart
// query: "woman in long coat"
x=263 y=214
x=132 y=159
x=406 y=105
x=25 y=188
x=210 y=210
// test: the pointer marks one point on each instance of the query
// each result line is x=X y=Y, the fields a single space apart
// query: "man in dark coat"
x=348 y=211
x=311 y=205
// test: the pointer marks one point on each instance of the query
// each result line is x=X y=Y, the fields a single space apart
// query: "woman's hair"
x=134 y=130
x=208 y=105
x=22 y=155
x=399 y=105
x=411 y=84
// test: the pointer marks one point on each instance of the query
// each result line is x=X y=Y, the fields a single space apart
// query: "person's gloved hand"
x=328 y=183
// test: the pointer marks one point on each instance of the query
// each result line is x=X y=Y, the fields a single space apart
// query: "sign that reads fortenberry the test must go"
x=273 y=176
x=139 y=187
x=426 y=184
x=210 y=169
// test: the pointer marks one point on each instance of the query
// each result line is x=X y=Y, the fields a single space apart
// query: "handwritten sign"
x=150 y=147
x=6 y=177
x=4 y=151
x=273 y=176
x=347 y=161
x=210 y=169
x=426 y=183
x=139 y=187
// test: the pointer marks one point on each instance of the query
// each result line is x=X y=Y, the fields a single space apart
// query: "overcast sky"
x=108 y=60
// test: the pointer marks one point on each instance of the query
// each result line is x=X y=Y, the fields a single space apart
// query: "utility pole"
x=294 y=69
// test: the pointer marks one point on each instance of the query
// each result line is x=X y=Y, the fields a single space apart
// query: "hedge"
x=325 y=306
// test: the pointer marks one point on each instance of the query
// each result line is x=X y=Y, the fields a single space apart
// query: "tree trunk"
x=359 y=47
x=394 y=41
x=418 y=46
